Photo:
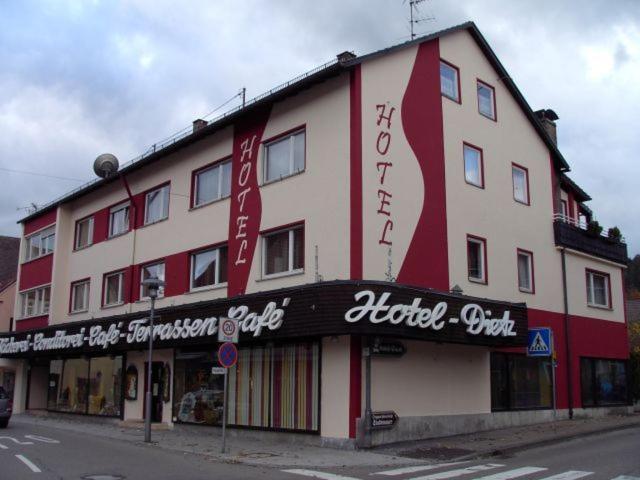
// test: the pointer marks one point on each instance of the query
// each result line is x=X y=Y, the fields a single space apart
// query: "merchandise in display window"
x=603 y=382
x=519 y=382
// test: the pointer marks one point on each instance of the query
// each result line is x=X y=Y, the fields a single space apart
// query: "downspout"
x=133 y=218
x=566 y=333
x=367 y=394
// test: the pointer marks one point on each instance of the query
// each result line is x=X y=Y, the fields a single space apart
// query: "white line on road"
x=28 y=463
x=568 y=475
x=16 y=441
x=3 y=447
x=418 y=468
x=39 y=438
x=515 y=473
x=321 y=475
x=458 y=472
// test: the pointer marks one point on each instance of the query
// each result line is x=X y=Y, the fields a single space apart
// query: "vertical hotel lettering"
x=383 y=143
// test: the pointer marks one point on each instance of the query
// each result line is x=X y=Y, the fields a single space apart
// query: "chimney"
x=199 y=124
x=547 y=118
x=345 y=56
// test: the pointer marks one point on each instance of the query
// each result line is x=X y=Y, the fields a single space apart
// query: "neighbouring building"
x=386 y=228
x=9 y=255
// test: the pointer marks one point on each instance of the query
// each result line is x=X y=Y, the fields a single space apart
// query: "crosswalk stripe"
x=458 y=472
x=417 y=468
x=568 y=475
x=515 y=473
x=321 y=475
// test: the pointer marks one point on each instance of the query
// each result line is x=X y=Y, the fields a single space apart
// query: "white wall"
x=133 y=409
x=334 y=382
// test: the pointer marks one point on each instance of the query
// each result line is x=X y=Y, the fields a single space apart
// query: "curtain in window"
x=485 y=102
x=599 y=290
x=207 y=186
x=519 y=185
x=277 y=253
x=448 y=83
x=204 y=268
x=524 y=274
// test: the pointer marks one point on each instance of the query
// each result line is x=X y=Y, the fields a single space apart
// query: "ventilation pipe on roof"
x=345 y=57
x=547 y=118
x=199 y=124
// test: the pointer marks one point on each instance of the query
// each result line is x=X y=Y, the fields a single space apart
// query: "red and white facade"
x=383 y=173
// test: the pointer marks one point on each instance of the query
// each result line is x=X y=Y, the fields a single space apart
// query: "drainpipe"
x=132 y=218
x=367 y=393
x=567 y=341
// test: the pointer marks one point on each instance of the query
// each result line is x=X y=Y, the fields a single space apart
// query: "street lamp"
x=153 y=285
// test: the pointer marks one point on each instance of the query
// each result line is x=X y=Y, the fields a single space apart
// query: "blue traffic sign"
x=227 y=355
x=540 y=343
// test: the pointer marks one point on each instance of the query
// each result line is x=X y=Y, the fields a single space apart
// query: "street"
x=43 y=452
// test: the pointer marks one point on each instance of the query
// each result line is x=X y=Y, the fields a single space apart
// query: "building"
x=386 y=228
x=9 y=255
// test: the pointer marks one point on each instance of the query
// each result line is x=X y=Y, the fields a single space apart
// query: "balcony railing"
x=574 y=234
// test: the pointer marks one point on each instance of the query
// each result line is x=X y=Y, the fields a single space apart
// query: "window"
x=113 y=289
x=525 y=271
x=603 y=382
x=283 y=251
x=80 y=296
x=486 y=100
x=36 y=302
x=148 y=271
x=473 y=166
x=156 y=205
x=449 y=81
x=284 y=157
x=598 y=289
x=84 y=233
x=476 y=259
x=40 y=243
x=212 y=183
x=564 y=210
x=520 y=177
x=208 y=267
x=520 y=382
x=119 y=219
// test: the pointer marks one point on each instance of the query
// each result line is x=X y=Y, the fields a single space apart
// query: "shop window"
x=473 y=166
x=486 y=100
x=148 y=271
x=284 y=157
x=212 y=183
x=598 y=289
x=603 y=382
x=113 y=289
x=84 y=233
x=520 y=177
x=119 y=219
x=39 y=244
x=525 y=271
x=449 y=81
x=156 y=205
x=519 y=382
x=283 y=252
x=477 y=259
x=80 y=296
x=36 y=302
x=208 y=268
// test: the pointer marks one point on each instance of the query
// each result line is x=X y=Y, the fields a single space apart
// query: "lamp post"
x=153 y=285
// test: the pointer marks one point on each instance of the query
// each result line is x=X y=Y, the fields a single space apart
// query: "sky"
x=79 y=78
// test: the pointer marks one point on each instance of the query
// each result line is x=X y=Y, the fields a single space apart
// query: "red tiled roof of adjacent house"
x=9 y=254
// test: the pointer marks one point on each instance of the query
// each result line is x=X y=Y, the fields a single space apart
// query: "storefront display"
x=519 y=382
x=603 y=382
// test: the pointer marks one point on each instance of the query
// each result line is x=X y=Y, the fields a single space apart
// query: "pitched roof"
x=579 y=193
x=331 y=69
x=9 y=254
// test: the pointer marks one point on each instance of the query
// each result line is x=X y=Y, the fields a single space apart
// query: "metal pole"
x=147 y=419
x=553 y=381
x=367 y=394
x=224 y=413
x=567 y=342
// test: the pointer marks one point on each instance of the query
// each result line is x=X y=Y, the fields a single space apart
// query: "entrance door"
x=156 y=391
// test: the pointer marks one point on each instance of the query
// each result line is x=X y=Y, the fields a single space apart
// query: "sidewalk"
x=269 y=453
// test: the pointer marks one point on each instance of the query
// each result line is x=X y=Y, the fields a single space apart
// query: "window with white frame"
x=564 y=210
x=148 y=271
x=486 y=100
x=520 y=177
x=477 y=259
x=525 y=271
x=284 y=157
x=36 y=302
x=212 y=183
x=208 y=268
x=113 y=289
x=156 y=205
x=80 y=296
x=119 y=219
x=473 y=166
x=283 y=252
x=449 y=81
x=84 y=233
x=598 y=289
x=40 y=243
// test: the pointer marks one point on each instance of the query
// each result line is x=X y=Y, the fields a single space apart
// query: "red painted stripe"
x=36 y=272
x=32 y=323
x=423 y=126
x=355 y=122
x=355 y=384
x=40 y=222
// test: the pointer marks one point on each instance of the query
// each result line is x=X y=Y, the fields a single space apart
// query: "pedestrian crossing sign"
x=540 y=343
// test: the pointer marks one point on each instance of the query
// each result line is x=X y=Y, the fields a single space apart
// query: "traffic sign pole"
x=227 y=358
x=224 y=411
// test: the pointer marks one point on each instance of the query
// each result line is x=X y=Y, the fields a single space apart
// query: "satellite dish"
x=106 y=165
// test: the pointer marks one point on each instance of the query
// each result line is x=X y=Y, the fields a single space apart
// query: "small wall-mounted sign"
x=383 y=419
x=388 y=349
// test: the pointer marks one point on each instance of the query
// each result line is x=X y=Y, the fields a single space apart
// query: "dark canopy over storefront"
x=308 y=311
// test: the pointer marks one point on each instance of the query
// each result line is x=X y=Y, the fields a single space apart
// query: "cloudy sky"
x=78 y=78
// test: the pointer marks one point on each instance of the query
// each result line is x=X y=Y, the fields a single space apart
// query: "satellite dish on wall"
x=106 y=165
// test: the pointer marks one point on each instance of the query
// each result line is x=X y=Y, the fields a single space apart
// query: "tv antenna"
x=416 y=17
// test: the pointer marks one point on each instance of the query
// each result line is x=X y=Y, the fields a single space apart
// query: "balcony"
x=574 y=235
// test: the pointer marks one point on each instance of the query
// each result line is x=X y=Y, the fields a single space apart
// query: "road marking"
x=569 y=475
x=418 y=468
x=2 y=447
x=626 y=477
x=28 y=463
x=515 y=473
x=16 y=441
x=458 y=472
x=38 y=438
x=322 y=475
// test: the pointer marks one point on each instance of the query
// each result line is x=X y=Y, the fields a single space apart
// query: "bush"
x=594 y=228
x=614 y=234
